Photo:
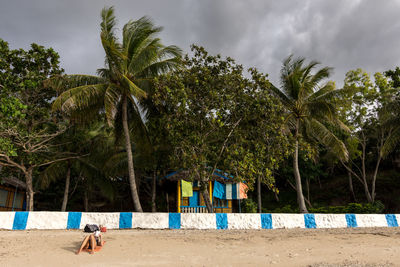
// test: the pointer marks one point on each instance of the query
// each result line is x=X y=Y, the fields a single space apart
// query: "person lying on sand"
x=91 y=242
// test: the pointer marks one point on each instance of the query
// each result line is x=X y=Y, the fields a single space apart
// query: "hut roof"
x=14 y=182
x=218 y=175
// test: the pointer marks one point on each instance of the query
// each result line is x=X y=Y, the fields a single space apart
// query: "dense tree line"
x=151 y=110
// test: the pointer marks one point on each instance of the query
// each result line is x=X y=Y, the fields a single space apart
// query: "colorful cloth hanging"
x=187 y=189
x=230 y=191
x=219 y=190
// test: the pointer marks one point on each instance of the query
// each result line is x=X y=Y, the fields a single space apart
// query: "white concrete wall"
x=371 y=220
x=198 y=221
x=330 y=220
x=6 y=219
x=150 y=220
x=244 y=221
x=47 y=220
x=59 y=220
x=287 y=220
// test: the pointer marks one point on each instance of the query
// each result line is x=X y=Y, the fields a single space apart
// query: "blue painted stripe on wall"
x=174 y=221
x=221 y=220
x=309 y=220
x=266 y=221
x=74 y=220
x=391 y=220
x=351 y=220
x=125 y=220
x=20 y=220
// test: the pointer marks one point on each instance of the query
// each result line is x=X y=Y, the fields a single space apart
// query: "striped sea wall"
x=21 y=220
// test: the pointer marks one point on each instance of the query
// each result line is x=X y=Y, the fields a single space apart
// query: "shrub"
x=248 y=206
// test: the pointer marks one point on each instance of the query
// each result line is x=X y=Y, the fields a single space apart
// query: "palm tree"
x=130 y=67
x=311 y=110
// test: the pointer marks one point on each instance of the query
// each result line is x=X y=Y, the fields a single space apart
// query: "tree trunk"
x=167 y=199
x=66 y=190
x=259 y=208
x=29 y=189
x=352 y=195
x=374 y=178
x=153 y=193
x=363 y=169
x=128 y=148
x=86 y=201
x=297 y=177
x=206 y=197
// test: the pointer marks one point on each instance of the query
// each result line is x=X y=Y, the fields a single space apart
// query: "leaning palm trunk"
x=128 y=147
x=66 y=190
x=297 y=177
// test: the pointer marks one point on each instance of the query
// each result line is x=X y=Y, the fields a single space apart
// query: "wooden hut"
x=224 y=200
x=12 y=194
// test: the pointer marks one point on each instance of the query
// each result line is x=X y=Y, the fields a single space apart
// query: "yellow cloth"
x=187 y=189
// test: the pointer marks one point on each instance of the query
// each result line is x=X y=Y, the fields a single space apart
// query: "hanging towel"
x=243 y=190
x=219 y=190
x=232 y=191
x=187 y=189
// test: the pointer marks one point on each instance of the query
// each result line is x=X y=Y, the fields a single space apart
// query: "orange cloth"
x=243 y=190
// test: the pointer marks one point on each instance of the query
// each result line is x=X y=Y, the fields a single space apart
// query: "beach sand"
x=279 y=247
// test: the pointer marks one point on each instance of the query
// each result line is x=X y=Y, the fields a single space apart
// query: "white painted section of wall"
x=287 y=220
x=150 y=220
x=330 y=220
x=7 y=219
x=397 y=218
x=109 y=220
x=198 y=221
x=371 y=220
x=244 y=221
x=47 y=220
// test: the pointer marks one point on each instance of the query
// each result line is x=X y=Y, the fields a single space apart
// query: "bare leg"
x=85 y=243
x=93 y=244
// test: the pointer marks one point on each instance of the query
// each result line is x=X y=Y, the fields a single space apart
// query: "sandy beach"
x=281 y=247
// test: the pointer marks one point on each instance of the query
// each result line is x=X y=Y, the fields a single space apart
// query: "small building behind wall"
x=224 y=193
x=12 y=194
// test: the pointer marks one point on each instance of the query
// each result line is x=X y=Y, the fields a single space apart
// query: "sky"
x=343 y=34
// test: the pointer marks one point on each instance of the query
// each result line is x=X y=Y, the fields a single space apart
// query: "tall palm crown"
x=312 y=103
x=129 y=69
x=311 y=110
x=130 y=66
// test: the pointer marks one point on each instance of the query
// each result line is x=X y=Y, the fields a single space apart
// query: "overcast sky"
x=343 y=34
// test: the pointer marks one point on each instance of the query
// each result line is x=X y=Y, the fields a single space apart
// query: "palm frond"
x=111 y=99
x=108 y=22
x=391 y=142
x=317 y=130
x=137 y=34
x=79 y=97
x=62 y=83
x=133 y=88
x=52 y=173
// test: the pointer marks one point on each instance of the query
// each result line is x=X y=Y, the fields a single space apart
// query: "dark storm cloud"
x=341 y=34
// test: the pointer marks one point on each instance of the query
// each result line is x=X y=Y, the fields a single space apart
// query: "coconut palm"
x=130 y=67
x=311 y=110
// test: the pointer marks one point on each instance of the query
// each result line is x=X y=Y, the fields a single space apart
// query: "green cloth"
x=187 y=189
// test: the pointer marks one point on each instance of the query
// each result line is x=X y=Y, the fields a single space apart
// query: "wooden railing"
x=200 y=209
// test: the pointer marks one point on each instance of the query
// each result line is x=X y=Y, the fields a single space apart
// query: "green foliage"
x=357 y=208
x=214 y=117
x=248 y=206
